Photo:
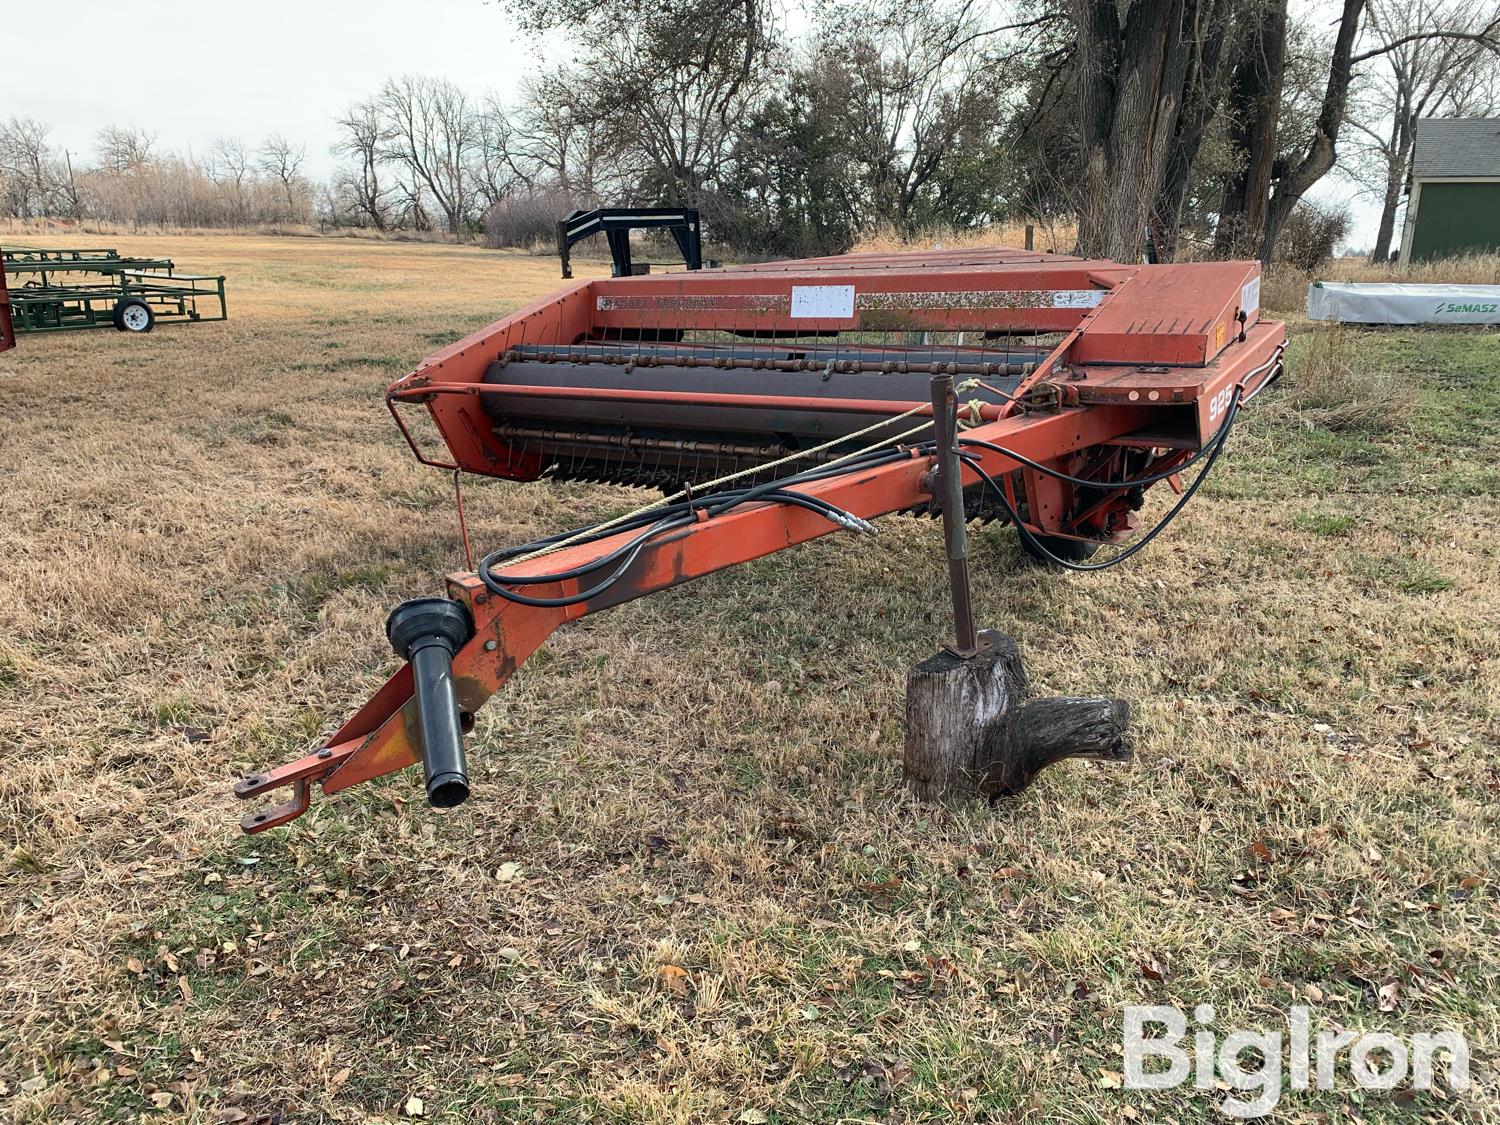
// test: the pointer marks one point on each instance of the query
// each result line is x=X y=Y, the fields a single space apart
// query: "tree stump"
x=970 y=729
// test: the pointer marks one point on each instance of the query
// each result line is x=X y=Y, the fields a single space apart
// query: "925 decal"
x=1220 y=403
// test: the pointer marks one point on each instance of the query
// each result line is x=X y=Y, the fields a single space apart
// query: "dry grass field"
x=690 y=887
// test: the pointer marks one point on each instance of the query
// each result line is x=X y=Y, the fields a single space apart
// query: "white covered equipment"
x=1392 y=303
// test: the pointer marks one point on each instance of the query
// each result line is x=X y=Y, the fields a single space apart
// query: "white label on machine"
x=822 y=302
x=1250 y=295
x=1077 y=298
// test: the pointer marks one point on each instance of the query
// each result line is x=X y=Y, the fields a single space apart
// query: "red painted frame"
x=1152 y=364
x=7 y=328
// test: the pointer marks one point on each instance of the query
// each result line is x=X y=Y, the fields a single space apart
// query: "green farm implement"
x=55 y=290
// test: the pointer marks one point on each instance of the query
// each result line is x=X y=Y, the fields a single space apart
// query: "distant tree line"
x=1198 y=126
x=128 y=179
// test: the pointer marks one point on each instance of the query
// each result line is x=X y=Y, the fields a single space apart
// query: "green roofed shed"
x=1454 y=195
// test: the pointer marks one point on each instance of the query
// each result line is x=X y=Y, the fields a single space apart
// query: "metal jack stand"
x=948 y=487
x=969 y=725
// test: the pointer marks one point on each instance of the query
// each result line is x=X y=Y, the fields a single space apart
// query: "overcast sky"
x=191 y=73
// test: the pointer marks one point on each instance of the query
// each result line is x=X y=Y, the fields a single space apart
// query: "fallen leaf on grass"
x=675 y=978
x=1152 y=969
x=1111 y=1079
x=753 y=1117
x=1389 y=996
x=414 y=1107
x=1259 y=851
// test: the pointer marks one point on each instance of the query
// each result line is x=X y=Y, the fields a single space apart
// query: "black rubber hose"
x=1015 y=517
x=626 y=552
x=658 y=521
x=1118 y=486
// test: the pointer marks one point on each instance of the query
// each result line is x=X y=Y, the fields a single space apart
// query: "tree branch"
x=1487 y=38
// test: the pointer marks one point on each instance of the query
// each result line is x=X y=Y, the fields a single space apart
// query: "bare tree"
x=282 y=161
x=1152 y=77
x=122 y=150
x=1421 y=77
x=558 y=138
x=1255 y=94
x=1315 y=157
x=229 y=168
x=922 y=99
x=667 y=86
x=431 y=131
x=28 y=167
x=494 y=171
x=69 y=193
x=359 y=140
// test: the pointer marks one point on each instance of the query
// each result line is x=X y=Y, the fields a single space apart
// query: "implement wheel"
x=134 y=315
x=1069 y=550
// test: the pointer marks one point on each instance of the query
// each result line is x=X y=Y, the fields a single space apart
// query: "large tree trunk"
x=1204 y=89
x=1322 y=151
x=1130 y=96
x=1098 y=61
x=1394 y=181
x=1398 y=157
x=1255 y=105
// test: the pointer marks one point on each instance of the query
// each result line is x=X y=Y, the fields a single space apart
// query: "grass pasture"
x=689 y=887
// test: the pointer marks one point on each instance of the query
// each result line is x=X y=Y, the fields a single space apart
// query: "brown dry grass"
x=1335 y=388
x=1056 y=236
x=690 y=887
